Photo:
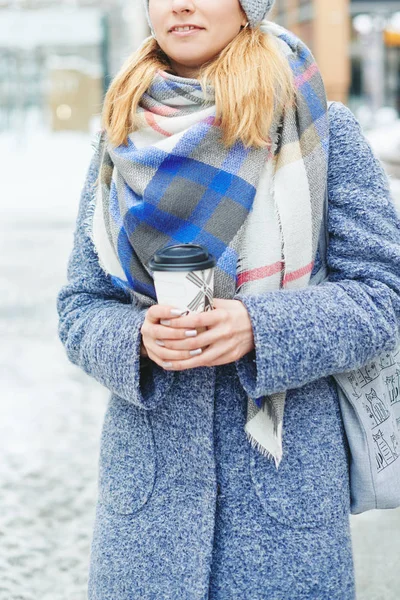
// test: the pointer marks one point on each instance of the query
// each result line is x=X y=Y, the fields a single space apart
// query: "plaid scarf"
x=176 y=183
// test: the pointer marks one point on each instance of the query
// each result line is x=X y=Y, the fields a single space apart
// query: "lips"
x=173 y=28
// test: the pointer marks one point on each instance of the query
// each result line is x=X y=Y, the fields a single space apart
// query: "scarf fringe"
x=261 y=449
x=96 y=144
x=87 y=222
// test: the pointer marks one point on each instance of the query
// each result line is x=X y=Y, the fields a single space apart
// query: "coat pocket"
x=127 y=463
x=311 y=486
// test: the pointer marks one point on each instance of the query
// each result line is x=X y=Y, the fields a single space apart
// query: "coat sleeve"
x=303 y=335
x=98 y=324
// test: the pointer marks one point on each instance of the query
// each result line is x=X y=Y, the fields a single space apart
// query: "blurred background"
x=56 y=60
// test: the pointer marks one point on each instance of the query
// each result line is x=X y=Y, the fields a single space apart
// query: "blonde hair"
x=251 y=78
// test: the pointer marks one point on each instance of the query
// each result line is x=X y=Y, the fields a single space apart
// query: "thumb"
x=221 y=303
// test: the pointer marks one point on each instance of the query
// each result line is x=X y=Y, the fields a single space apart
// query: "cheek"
x=158 y=14
x=217 y=40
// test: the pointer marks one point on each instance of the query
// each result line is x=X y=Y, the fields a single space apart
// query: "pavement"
x=376 y=543
x=51 y=413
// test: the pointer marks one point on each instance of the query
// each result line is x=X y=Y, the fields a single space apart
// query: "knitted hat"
x=256 y=10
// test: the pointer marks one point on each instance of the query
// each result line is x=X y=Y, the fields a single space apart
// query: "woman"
x=224 y=467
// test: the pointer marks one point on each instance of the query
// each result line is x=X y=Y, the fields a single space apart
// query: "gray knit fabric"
x=256 y=10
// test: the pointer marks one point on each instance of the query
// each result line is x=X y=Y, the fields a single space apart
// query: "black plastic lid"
x=182 y=257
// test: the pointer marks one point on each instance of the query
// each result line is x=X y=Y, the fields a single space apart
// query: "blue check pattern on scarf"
x=157 y=198
x=218 y=188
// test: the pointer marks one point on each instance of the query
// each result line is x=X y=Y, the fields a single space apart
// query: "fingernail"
x=196 y=352
x=160 y=343
x=191 y=333
x=177 y=312
x=167 y=365
x=165 y=322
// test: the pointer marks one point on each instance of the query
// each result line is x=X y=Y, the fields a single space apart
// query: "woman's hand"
x=208 y=339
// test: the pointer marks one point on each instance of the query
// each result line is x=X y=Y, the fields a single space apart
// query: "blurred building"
x=356 y=44
x=57 y=58
x=375 y=54
x=325 y=27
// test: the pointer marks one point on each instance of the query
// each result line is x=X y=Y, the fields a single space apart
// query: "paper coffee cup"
x=184 y=277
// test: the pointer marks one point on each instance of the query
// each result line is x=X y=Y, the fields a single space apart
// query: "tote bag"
x=370 y=405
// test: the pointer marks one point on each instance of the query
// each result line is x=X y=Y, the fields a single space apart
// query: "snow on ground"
x=51 y=412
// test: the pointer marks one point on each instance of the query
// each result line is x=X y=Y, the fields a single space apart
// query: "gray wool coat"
x=187 y=509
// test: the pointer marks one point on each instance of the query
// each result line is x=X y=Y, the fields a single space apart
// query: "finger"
x=154 y=357
x=186 y=343
x=159 y=311
x=161 y=332
x=222 y=303
x=200 y=320
x=205 y=359
x=166 y=355
x=153 y=354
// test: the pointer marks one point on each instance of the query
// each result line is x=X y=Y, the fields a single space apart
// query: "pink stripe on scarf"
x=162 y=74
x=306 y=76
x=164 y=111
x=298 y=274
x=153 y=124
x=212 y=120
x=259 y=273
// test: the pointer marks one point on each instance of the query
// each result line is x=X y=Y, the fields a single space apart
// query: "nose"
x=180 y=6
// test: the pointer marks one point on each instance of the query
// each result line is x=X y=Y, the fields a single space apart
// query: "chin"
x=188 y=60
